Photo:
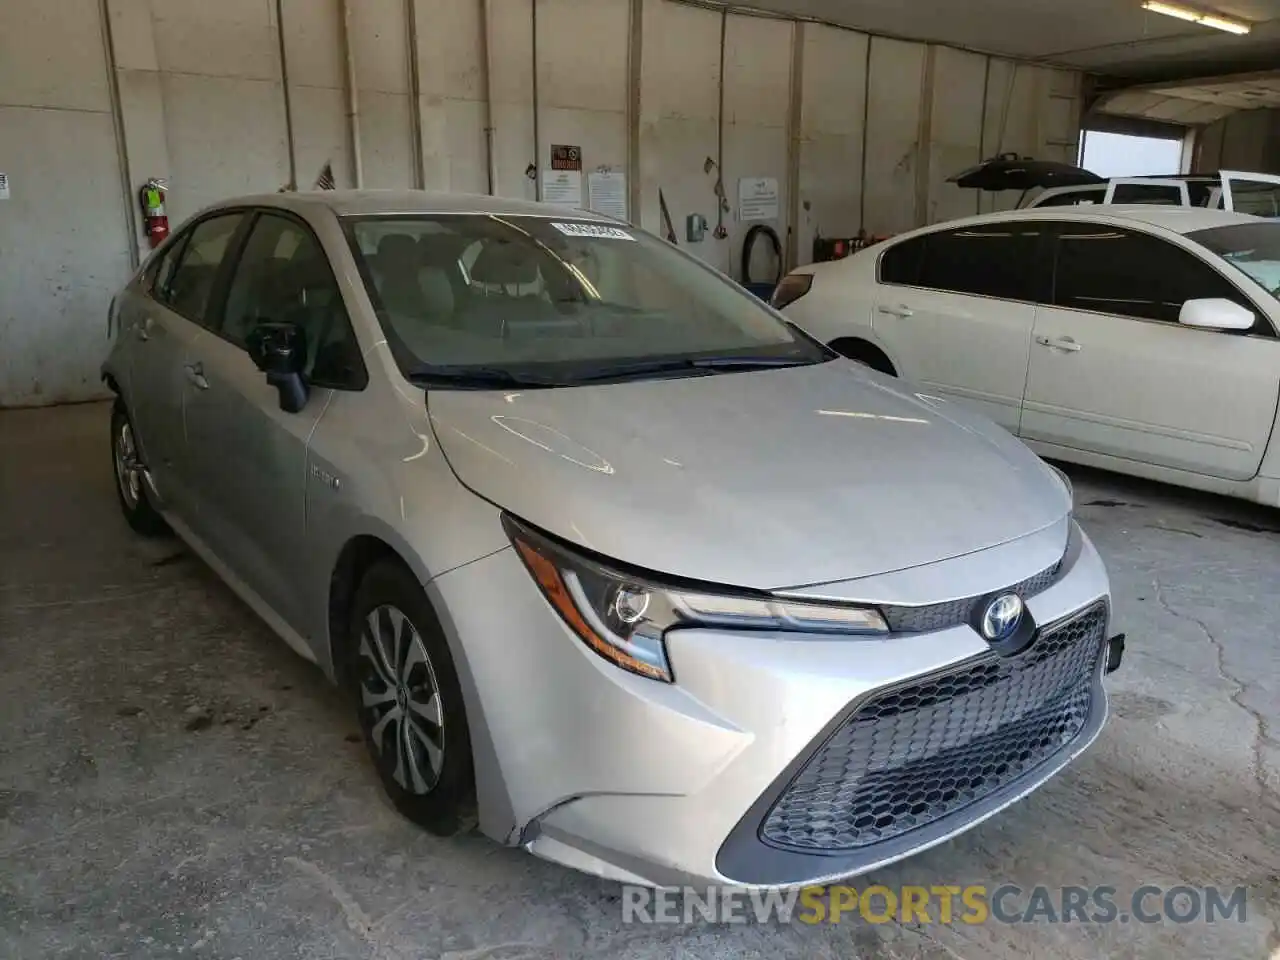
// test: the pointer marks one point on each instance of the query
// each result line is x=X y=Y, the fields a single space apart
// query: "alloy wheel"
x=128 y=470
x=400 y=698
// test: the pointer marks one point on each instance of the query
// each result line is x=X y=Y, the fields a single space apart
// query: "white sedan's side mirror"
x=1215 y=313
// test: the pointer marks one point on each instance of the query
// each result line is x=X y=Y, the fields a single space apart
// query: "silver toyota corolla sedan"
x=613 y=560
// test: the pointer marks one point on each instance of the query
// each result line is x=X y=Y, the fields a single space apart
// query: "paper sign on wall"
x=607 y=193
x=4 y=186
x=758 y=198
x=562 y=187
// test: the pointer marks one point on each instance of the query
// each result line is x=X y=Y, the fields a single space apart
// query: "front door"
x=252 y=456
x=1113 y=372
x=1257 y=194
x=957 y=307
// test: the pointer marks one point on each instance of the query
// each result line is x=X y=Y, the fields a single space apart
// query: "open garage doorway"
x=1127 y=155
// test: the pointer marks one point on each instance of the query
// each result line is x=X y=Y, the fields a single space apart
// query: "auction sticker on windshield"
x=599 y=231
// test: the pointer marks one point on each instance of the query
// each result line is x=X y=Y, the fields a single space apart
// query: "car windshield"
x=1253 y=248
x=548 y=300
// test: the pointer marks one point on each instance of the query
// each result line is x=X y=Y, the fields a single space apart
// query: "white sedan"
x=1140 y=339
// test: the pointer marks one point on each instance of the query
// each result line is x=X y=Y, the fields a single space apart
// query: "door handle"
x=195 y=373
x=1065 y=344
x=901 y=310
x=143 y=330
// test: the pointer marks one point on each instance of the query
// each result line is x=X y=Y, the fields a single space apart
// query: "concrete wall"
x=1249 y=140
x=858 y=131
x=63 y=246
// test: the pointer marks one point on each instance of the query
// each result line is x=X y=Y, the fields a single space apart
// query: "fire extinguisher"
x=155 y=222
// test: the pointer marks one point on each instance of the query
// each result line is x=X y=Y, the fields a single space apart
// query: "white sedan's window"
x=1130 y=274
x=1251 y=248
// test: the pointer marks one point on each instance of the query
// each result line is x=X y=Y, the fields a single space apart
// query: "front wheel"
x=131 y=488
x=409 y=702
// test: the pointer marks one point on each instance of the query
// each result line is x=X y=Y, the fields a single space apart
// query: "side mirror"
x=1215 y=313
x=280 y=351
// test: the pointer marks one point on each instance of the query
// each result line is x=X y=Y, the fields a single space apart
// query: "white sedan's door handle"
x=1059 y=343
x=901 y=310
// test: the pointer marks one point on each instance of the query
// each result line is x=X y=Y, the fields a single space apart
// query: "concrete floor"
x=174 y=781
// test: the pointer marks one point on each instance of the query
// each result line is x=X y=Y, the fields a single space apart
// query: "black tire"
x=131 y=488
x=426 y=686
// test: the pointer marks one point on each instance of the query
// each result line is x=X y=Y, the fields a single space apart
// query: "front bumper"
x=697 y=782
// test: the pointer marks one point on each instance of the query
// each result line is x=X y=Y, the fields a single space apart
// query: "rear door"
x=957 y=308
x=1257 y=194
x=166 y=325
x=249 y=457
x=1113 y=372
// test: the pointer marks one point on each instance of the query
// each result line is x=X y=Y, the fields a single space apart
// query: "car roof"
x=1177 y=219
x=346 y=203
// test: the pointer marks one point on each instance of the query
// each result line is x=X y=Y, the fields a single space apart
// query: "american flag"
x=325 y=181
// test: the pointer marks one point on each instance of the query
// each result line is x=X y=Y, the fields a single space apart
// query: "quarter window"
x=992 y=260
x=192 y=284
x=900 y=264
x=1111 y=270
x=284 y=275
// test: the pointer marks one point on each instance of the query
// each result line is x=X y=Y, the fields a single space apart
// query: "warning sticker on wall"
x=4 y=186
x=566 y=156
x=562 y=187
x=598 y=231
x=758 y=198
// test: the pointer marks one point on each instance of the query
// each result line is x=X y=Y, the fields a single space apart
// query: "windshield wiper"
x=748 y=363
x=695 y=366
x=474 y=378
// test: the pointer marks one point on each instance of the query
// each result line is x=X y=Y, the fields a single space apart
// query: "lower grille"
x=912 y=755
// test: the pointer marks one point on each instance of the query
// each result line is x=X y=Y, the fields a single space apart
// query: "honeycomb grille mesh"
x=940 y=616
x=912 y=755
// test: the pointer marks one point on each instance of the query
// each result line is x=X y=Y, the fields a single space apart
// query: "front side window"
x=558 y=301
x=992 y=260
x=1130 y=274
x=1252 y=248
x=284 y=276
x=192 y=284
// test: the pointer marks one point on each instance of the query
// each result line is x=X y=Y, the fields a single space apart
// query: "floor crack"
x=1262 y=734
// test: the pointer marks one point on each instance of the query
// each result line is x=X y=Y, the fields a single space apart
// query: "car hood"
x=769 y=480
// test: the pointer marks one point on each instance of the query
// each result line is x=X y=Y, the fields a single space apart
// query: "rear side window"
x=192 y=284
x=900 y=263
x=1161 y=194
x=996 y=260
x=1073 y=198
x=160 y=273
x=1111 y=270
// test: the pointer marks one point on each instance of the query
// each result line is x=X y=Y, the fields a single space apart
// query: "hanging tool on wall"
x=722 y=201
x=668 y=229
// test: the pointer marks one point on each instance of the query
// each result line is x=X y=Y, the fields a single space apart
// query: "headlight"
x=624 y=617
